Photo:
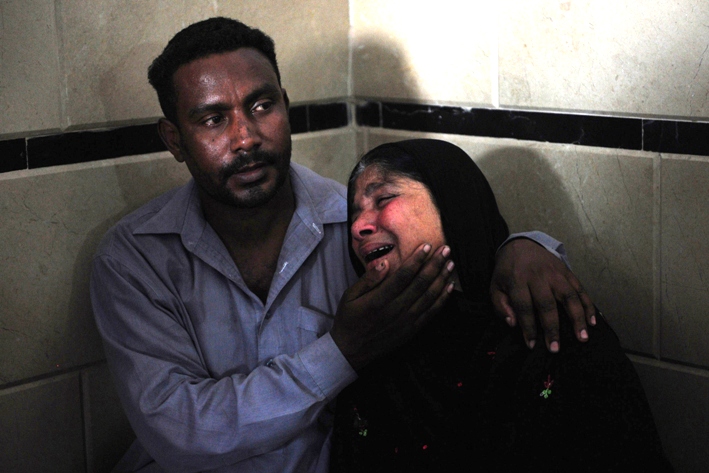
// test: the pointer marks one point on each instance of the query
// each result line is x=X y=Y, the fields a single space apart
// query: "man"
x=230 y=315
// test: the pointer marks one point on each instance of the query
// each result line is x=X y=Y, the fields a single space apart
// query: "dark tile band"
x=664 y=136
x=12 y=155
x=608 y=132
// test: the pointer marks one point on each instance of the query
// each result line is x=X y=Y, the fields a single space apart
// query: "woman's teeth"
x=379 y=252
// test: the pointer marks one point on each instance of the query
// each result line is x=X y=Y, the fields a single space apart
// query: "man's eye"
x=262 y=106
x=213 y=120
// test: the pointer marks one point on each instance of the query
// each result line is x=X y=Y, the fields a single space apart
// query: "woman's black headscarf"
x=472 y=223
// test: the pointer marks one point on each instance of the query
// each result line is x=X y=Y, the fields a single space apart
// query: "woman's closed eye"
x=384 y=199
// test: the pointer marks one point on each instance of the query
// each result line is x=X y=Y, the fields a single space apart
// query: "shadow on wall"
x=120 y=95
x=134 y=184
x=567 y=202
x=381 y=70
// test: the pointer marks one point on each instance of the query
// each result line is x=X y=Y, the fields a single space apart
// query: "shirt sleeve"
x=186 y=419
x=555 y=247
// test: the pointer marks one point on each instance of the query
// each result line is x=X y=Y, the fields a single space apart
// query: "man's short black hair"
x=201 y=39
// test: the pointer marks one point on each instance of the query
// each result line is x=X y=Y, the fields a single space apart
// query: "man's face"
x=232 y=127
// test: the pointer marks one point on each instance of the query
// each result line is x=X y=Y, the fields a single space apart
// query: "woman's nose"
x=364 y=224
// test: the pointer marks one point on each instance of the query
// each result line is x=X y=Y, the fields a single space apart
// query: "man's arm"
x=531 y=275
x=187 y=419
x=191 y=421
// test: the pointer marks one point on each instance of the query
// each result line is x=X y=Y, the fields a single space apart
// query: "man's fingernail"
x=509 y=321
x=584 y=334
x=450 y=266
x=554 y=347
x=531 y=344
x=426 y=248
x=593 y=320
x=450 y=288
x=446 y=251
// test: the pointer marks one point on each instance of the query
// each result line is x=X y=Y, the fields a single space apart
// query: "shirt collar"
x=318 y=201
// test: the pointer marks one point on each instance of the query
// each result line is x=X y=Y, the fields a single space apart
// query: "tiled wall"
x=557 y=101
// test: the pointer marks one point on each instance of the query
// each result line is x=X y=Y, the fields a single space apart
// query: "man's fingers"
x=437 y=292
x=502 y=306
x=427 y=315
x=545 y=295
x=406 y=275
x=549 y=318
x=576 y=311
x=588 y=307
x=570 y=293
x=426 y=285
x=521 y=302
x=368 y=281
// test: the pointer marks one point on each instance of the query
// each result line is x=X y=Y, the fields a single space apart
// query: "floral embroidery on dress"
x=547 y=388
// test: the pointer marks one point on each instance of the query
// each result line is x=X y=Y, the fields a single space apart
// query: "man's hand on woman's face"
x=529 y=280
x=379 y=313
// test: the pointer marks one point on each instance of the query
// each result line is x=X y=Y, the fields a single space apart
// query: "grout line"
x=350 y=50
x=669 y=365
x=85 y=401
x=495 y=57
x=657 y=256
x=22 y=384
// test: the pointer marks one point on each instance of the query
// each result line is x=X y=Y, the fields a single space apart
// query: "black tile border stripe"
x=86 y=146
x=608 y=132
x=12 y=155
x=664 y=136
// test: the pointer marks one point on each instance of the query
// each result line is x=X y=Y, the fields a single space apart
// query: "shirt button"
x=270 y=363
x=268 y=315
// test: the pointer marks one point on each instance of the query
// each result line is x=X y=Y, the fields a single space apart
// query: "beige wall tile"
x=685 y=259
x=52 y=222
x=605 y=56
x=107 y=46
x=29 y=69
x=41 y=427
x=678 y=399
x=599 y=203
x=312 y=40
x=329 y=153
x=108 y=433
x=423 y=52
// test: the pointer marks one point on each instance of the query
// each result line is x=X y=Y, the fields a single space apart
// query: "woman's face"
x=392 y=215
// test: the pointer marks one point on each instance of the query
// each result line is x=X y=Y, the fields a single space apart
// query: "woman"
x=466 y=394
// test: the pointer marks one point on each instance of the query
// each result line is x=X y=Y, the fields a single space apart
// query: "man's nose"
x=244 y=134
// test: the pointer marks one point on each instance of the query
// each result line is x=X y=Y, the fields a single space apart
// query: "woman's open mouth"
x=378 y=253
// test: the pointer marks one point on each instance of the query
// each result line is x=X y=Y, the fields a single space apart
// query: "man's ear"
x=170 y=135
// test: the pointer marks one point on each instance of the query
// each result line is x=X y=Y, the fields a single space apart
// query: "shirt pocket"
x=313 y=324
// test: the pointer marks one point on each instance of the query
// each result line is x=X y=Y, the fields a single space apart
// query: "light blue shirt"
x=211 y=378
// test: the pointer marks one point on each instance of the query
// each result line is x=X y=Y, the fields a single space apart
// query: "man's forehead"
x=245 y=60
x=219 y=72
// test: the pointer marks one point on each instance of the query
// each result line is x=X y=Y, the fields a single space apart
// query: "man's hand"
x=528 y=279
x=376 y=315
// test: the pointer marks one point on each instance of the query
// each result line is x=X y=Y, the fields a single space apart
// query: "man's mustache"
x=250 y=159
